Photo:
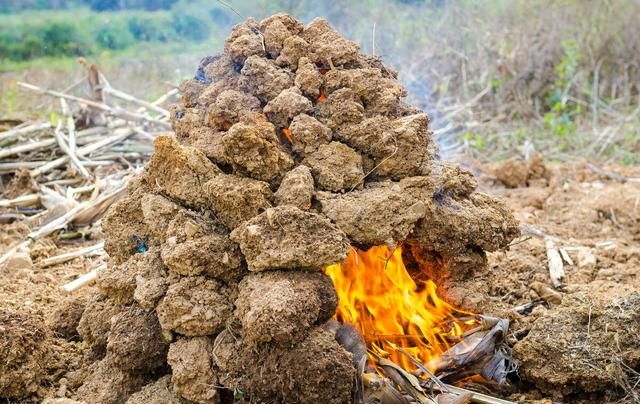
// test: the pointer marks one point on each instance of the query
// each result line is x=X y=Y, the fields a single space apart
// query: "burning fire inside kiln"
x=301 y=201
x=391 y=309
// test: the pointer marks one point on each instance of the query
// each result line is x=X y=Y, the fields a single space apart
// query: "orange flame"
x=378 y=296
x=287 y=133
x=322 y=97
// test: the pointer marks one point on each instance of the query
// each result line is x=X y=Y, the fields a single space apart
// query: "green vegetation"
x=563 y=75
x=69 y=33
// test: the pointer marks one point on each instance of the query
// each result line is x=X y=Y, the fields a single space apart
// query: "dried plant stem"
x=41 y=144
x=115 y=138
x=126 y=115
x=96 y=249
x=478 y=398
x=15 y=132
x=84 y=279
x=21 y=201
x=17 y=165
x=127 y=97
x=69 y=149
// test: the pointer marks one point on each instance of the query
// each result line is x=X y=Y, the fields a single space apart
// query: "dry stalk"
x=117 y=112
x=69 y=149
x=115 y=138
x=21 y=201
x=127 y=97
x=96 y=249
x=15 y=132
x=84 y=279
x=478 y=398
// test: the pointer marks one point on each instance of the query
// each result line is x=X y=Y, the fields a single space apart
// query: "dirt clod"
x=311 y=240
x=193 y=374
x=24 y=347
x=195 y=306
x=281 y=307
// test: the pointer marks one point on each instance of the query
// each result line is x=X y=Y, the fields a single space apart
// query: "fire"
x=322 y=97
x=287 y=133
x=377 y=294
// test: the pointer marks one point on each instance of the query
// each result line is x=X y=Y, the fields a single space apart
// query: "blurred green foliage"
x=31 y=35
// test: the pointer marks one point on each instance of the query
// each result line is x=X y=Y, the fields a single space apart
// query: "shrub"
x=152 y=28
x=191 y=27
x=112 y=34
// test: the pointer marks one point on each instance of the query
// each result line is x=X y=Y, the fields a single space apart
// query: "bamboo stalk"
x=58 y=223
x=478 y=398
x=84 y=279
x=23 y=131
x=31 y=146
x=127 y=97
x=17 y=165
x=126 y=115
x=82 y=152
x=69 y=152
x=21 y=201
x=96 y=249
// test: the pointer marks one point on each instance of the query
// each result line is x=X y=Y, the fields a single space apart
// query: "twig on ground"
x=612 y=175
x=96 y=249
x=84 y=279
x=15 y=132
x=126 y=115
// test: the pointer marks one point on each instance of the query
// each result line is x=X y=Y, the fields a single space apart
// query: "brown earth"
x=582 y=349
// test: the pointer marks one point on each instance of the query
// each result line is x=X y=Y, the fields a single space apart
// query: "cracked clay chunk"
x=180 y=171
x=193 y=373
x=195 y=306
x=289 y=238
x=235 y=199
x=382 y=213
x=335 y=167
x=253 y=149
x=213 y=255
x=262 y=78
x=296 y=188
x=282 y=306
x=288 y=104
x=308 y=134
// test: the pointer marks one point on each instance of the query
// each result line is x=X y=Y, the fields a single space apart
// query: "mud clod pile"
x=290 y=148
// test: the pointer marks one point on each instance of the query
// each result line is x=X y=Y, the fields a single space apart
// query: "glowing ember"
x=287 y=133
x=322 y=97
x=377 y=294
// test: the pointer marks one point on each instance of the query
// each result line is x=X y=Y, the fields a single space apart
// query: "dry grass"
x=563 y=76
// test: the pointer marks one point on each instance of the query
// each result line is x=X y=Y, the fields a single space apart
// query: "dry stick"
x=423 y=368
x=27 y=147
x=96 y=249
x=21 y=201
x=101 y=161
x=84 y=279
x=66 y=90
x=478 y=398
x=124 y=96
x=610 y=174
x=466 y=105
x=83 y=212
x=554 y=259
x=126 y=115
x=224 y=3
x=15 y=132
x=82 y=152
x=70 y=154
